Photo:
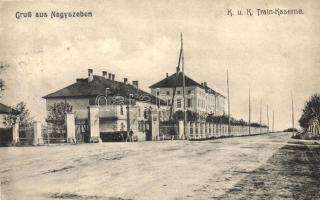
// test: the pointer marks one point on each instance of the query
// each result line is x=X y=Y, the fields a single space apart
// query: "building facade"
x=200 y=98
x=113 y=98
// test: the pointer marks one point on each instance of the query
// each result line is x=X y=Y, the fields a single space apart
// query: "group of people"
x=129 y=136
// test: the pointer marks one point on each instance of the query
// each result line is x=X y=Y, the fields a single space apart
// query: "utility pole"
x=249 y=111
x=268 y=117
x=183 y=92
x=272 y=121
x=229 y=123
x=292 y=111
x=260 y=115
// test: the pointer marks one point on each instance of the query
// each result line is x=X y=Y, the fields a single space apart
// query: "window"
x=122 y=126
x=178 y=103
x=189 y=103
x=178 y=92
x=168 y=92
x=121 y=110
x=158 y=93
x=169 y=102
x=189 y=91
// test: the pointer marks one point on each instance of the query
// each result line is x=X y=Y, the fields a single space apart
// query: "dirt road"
x=233 y=168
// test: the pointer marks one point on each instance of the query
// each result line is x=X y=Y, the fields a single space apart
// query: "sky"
x=273 y=55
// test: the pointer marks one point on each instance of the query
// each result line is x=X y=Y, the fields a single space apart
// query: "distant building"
x=200 y=98
x=111 y=97
x=314 y=126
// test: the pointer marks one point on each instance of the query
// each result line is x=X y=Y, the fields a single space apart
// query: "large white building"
x=200 y=98
x=111 y=97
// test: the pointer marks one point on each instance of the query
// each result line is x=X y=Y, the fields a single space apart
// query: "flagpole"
x=184 y=91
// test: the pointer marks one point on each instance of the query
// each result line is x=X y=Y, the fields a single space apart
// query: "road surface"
x=253 y=167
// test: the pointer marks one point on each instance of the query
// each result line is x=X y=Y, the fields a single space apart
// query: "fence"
x=168 y=132
x=54 y=134
x=26 y=135
x=205 y=130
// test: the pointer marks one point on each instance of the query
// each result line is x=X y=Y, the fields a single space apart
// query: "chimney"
x=135 y=84
x=205 y=84
x=105 y=74
x=112 y=77
x=90 y=75
x=167 y=75
x=125 y=80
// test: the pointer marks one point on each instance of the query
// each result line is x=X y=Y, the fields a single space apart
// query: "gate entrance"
x=147 y=128
x=82 y=131
x=26 y=135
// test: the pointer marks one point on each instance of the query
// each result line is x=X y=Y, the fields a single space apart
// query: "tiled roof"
x=5 y=109
x=176 y=80
x=83 y=88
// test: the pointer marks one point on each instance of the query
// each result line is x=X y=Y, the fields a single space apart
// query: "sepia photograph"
x=159 y=99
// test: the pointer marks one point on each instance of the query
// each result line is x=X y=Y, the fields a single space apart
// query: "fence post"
x=181 y=129
x=155 y=125
x=71 y=128
x=94 y=124
x=188 y=131
x=194 y=130
x=15 y=133
x=37 y=136
x=203 y=133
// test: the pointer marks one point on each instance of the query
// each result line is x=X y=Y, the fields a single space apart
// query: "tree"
x=311 y=111
x=20 y=114
x=58 y=112
x=2 y=68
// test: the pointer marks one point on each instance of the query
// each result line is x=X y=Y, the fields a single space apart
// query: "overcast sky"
x=273 y=55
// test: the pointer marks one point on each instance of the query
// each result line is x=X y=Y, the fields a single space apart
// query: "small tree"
x=20 y=114
x=311 y=111
x=58 y=112
x=56 y=117
x=2 y=84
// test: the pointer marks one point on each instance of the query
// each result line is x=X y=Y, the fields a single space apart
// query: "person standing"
x=131 y=135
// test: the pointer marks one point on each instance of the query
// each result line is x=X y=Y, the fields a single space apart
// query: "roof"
x=5 y=109
x=211 y=91
x=83 y=88
x=176 y=80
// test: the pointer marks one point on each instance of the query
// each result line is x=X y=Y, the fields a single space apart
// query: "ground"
x=253 y=167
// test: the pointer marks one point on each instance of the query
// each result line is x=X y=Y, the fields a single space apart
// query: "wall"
x=201 y=131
